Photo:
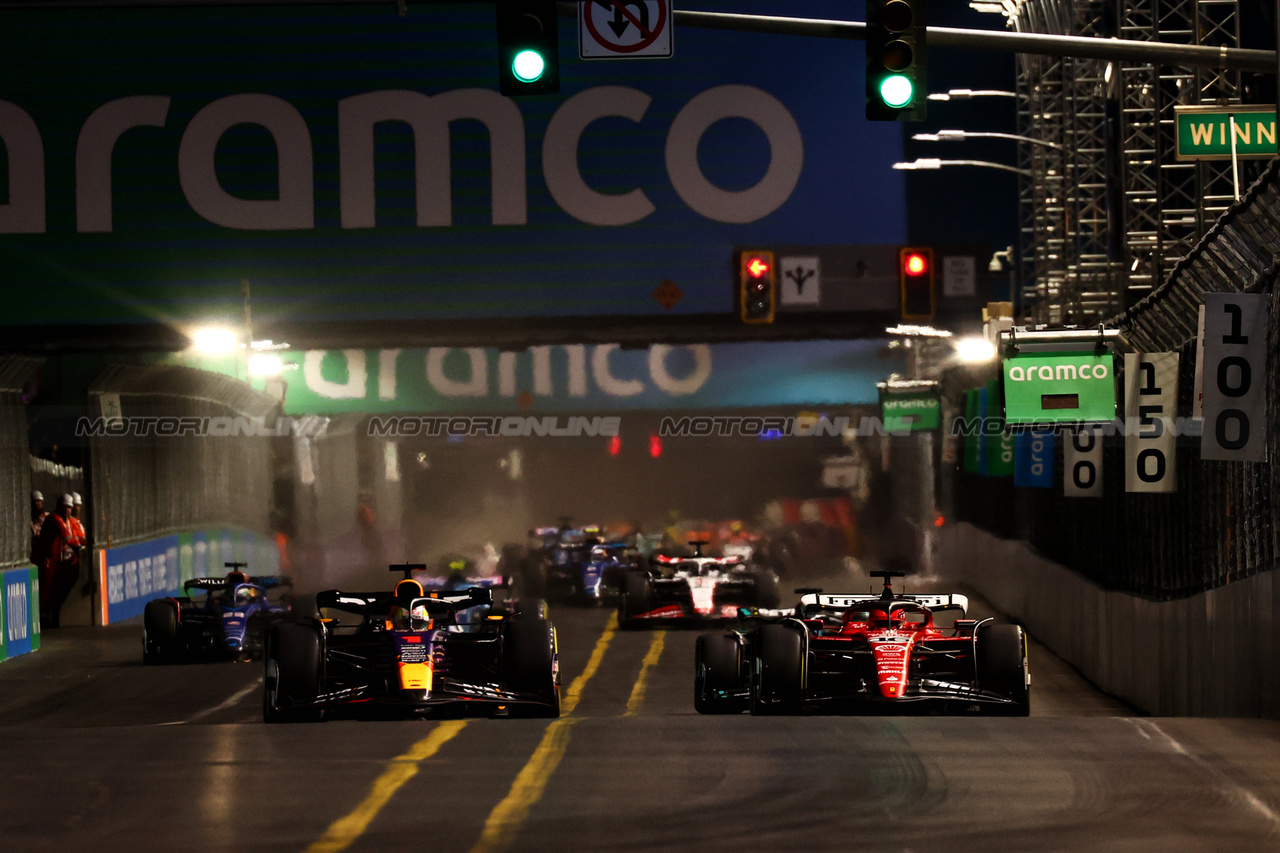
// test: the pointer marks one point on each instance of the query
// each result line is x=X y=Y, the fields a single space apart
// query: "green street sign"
x=1059 y=387
x=910 y=412
x=1204 y=133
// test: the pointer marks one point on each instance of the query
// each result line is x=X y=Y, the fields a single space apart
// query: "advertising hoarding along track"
x=1059 y=387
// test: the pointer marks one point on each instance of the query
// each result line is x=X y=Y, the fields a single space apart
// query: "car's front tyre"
x=291 y=673
x=717 y=670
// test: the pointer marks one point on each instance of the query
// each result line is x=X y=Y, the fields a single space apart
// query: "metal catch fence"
x=149 y=482
x=1220 y=526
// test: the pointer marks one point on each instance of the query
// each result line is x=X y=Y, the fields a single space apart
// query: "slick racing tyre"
x=716 y=675
x=1002 y=666
x=637 y=598
x=778 y=681
x=160 y=631
x=529 y=664
x=291 y=678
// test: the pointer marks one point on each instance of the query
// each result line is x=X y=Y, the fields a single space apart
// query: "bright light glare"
x=215 y=340
x=896 y=91
x=975 y=350
x=528 y=65
x=265 y=364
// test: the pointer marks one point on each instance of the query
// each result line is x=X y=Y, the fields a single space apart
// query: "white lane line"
x=234 y=699
x=1229 y=786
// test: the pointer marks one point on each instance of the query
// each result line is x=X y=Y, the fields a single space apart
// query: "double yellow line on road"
x=402 y=768
x=509 y=815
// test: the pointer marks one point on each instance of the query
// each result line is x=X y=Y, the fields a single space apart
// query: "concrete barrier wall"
x=132 y=575
x=1211 y=655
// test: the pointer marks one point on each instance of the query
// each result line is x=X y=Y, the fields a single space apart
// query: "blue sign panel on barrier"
x=19 y=628
x=140 y=572
x=1033 y=460
x=137 y=573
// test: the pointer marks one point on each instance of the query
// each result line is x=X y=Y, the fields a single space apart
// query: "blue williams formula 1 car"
x=576 y=565
x=411 y=651
x=229 y=621
x=864 y=654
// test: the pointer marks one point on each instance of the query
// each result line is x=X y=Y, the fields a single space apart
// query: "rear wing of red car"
x=952 y=601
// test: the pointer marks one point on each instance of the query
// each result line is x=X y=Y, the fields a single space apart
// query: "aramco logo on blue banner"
x=1033 y=460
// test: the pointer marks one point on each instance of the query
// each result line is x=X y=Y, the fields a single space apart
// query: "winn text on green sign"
x=1205 y=134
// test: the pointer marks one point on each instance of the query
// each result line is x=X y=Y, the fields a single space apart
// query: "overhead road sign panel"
x=1204 y=133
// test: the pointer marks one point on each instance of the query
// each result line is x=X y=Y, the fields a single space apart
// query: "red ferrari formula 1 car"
x=864 y=653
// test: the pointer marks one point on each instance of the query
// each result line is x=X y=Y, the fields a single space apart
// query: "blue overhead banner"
x=350 y=163
x=568 y=378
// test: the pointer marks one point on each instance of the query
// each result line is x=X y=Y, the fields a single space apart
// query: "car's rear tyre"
x=529 y=663
x=637 y=599
x=1002 y=666
x=778 y=681
x=160 y=631
x=716 y=675
x=291 y=677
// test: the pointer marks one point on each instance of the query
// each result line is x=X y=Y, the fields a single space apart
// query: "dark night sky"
x=965 y=204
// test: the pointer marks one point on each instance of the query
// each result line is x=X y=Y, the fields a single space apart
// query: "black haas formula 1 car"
x=691 y=589
x=864 y=653
x=230 y=621
x=410 y=651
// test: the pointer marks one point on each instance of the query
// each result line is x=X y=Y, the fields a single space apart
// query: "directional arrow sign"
x=624 y=29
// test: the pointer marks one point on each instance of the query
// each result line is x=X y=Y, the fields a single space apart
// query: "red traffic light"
x=756 y=286
x=914 y=263
x=916 y=274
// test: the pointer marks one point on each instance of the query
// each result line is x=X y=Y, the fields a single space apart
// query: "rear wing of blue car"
x=213 y=584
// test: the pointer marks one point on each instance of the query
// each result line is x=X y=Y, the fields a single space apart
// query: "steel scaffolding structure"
x=1104 y=219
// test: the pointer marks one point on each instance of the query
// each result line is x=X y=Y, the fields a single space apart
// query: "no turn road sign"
x=624 y=29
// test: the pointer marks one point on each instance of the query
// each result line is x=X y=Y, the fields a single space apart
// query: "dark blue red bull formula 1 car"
x=412 y=651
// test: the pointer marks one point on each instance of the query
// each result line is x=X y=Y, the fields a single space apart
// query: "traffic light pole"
x=1156 y=53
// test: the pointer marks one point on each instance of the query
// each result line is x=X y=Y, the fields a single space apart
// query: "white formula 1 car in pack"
x=864 y=654
x=692 y=589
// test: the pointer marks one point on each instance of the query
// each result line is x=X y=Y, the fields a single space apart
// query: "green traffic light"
x=896 y=91
x=528 y=66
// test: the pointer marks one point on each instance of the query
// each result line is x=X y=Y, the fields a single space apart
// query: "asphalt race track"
x=103 y=754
